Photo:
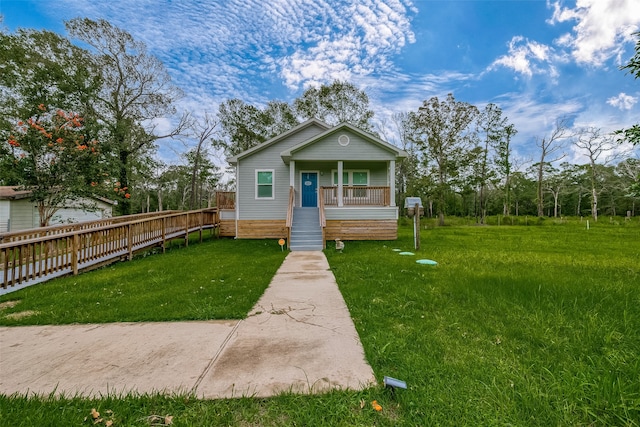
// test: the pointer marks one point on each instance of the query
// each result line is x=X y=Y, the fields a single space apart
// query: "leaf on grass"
x=376 y=406
x=109 y=423
x=94 y=414
x=168 y=420
x=362 y=403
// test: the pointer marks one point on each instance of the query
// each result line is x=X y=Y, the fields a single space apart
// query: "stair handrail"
x=292 y=198
x=323 y=219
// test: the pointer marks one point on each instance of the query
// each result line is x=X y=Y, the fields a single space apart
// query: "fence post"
x=186 y=230
x=129 y=242
x=75 y=248
x=164 y=234
x=201 y=223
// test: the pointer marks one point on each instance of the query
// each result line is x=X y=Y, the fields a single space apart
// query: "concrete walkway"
x=299 y=337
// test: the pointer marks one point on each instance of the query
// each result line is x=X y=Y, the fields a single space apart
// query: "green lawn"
x=217 y=279
x=516 y=325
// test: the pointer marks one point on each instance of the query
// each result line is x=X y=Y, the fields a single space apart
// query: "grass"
x=218 y=279
x=518 y=325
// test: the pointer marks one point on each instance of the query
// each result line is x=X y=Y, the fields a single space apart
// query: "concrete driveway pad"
x=298 y=338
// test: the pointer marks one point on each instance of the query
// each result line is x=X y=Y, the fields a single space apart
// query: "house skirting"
x=361 y=229
x=227 y=228
x=261 y=229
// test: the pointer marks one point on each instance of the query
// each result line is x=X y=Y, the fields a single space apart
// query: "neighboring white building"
x=18 y=212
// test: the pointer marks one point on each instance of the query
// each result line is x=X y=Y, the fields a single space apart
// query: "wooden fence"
x=52 y=253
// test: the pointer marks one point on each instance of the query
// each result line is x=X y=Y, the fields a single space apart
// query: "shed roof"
x=12 y=192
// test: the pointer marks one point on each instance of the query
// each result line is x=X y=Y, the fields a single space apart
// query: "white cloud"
x=622 y=101
x=602 y=27
x=357 y=39
x=228 y=44
x=527 y=57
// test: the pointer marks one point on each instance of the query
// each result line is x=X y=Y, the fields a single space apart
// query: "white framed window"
x=264 y=184
x=353 y=178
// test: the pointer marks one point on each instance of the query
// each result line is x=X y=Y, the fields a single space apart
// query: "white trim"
x=237 y=201
x=392 y=182
x=317 y=172
x=340 y=183
x=273 y=184
x=292 y=173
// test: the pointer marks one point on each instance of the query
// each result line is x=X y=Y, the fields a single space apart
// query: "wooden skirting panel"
x=227 y=228
x=262 y=229
x=361 y=229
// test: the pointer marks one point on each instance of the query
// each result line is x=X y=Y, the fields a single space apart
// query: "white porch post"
x=292 y=173
x=392 y=183
x=340 y=167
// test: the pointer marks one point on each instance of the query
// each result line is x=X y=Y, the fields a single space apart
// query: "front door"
x=310 y=189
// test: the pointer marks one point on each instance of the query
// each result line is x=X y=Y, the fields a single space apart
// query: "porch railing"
x=226 y=199
x=357 y=195
x=38 y=259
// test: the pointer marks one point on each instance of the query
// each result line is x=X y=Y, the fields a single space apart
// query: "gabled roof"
x=13 y=192
x=234 y=159
x=287 y=154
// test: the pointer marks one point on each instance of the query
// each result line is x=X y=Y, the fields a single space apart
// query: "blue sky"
x=537 y=60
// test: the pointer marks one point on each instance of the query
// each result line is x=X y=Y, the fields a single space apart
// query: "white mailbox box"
x=410 y=205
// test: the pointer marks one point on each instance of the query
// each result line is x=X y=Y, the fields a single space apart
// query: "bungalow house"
x=315 y=183
x=18 y=212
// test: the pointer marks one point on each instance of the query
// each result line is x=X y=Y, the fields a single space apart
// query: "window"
x=353 y=178
x=264 y=184
x=362 y=179
x=345 y=178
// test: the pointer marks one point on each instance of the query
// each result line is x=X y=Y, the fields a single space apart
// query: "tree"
x=136 y=90
x=203 y=131
x=504 y=164
x=40 y=68
x=441 y=130
x=336 y=103
x=632 y=134
x=549 y=147
x=244 y=125
x=493 y=127
x=593 y=144
x=43 y=68
x=51 y=155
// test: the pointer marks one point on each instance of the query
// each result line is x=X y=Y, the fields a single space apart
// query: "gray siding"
x=268 y=158
x=5 y=211
x=23 y=215
x=329 y=149
x=362 y=213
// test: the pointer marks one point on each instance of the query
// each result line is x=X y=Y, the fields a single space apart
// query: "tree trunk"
x=125 y=204
x=540 y=192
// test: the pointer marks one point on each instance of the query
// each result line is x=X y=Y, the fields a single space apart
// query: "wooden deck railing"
x=357 y=196
x=35 y=233
x=226 y=199
x=35 y=260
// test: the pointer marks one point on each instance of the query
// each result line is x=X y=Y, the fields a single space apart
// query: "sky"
x=538 y=60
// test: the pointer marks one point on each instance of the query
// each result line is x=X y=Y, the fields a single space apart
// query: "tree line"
x=83 y=121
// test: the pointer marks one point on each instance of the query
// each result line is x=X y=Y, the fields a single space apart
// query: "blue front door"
x=309 y=189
